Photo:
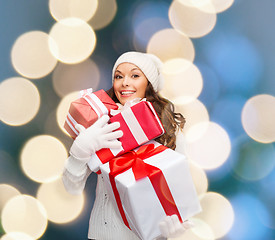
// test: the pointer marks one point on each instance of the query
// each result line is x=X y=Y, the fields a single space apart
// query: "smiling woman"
x=129 y=82
x=135 y=76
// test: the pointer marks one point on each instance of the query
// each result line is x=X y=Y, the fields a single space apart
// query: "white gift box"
x=143 y=208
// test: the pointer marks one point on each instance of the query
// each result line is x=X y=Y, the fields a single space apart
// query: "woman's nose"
x=125 y=81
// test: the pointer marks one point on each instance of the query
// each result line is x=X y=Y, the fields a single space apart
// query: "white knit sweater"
x=105 y=223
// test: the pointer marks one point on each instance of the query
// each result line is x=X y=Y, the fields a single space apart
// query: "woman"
x=135 y=75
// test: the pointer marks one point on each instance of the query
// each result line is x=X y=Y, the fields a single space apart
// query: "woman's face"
x=129 y=82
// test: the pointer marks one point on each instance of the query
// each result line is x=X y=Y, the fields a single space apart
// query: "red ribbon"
x=141 y=169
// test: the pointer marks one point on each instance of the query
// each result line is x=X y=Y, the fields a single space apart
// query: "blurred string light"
x=199 y=178
x=248 y=211
x=192 y=19
x=148 y=18
x=201 y=231
x=210 y=6
x=61 y=206
x=193 y=111
x=84 y=9
x=16 y=236
x=221 y=5
x=169 y=43
x=227 y=110
x=255 y=160
x=19 y=101
x=104 y=15
x=25 y=214
x=42 y=158
x=182 y=78
x=217 y=214
x=258 y=118
x=72 y=77
x=63 y=109
x=72 y=40
x=7 y=192
x=30 y=55
x=213 y=143
x=145 y=30
x=236 y=60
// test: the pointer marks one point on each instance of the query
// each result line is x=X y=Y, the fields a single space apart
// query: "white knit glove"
x=99 y=135
x=171 y=227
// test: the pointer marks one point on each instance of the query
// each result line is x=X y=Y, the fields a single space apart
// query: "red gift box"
x=139 y=123
x=87 y=109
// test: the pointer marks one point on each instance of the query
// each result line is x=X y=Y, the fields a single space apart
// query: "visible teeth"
x=125 y=93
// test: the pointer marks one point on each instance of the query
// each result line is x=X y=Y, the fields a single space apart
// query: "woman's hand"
x=171 y=227
x=99 y=135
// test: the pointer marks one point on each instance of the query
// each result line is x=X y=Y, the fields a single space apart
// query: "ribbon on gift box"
x=141 y=169
x=128 y=104
x=96 y=104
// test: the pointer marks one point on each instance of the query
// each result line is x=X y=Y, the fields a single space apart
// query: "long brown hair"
x=165 y=109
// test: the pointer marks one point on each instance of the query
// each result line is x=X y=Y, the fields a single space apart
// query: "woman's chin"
x=123 y=100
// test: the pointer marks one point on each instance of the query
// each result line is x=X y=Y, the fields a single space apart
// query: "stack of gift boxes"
x=145 y=180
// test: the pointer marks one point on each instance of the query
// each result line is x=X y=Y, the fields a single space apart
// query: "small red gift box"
x=139 y=123
x=149 y=183
x=87 y=109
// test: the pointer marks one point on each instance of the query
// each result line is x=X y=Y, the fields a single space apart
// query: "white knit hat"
x=149 y=64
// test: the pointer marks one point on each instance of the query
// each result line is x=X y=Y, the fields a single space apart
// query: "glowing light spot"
x=147 y=18
x=84 y=9
x=200 y=231
x=25 y=214
x=256 y=160
x=63 y=109
x=209 y=6
x=258 y=117
x=68 y=78
x=182 y=78
x=30 y=55
x=145 y=30
x=199 y=178
x=19 y=101
x=213 y=144
x=73 y=40
x=16 y=236
x=222 y=5
x=217 y=213
x=7 y=192
x=43 y=157
x=104 y=15
x=190 y=20
x=61 y=207
x=193 y=111
x=169 y=43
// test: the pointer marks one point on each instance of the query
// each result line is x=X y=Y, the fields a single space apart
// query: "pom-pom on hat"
x=149 y=64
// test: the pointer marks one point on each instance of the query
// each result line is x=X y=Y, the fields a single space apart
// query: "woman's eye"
x=118 y=77
x=135 y=76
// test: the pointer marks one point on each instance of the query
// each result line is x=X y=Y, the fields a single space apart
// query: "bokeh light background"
x=219 y=69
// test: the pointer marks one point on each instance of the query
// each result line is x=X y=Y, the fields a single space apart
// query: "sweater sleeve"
x=75 y=175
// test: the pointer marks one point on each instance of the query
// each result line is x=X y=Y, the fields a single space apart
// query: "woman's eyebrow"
x=135 y=69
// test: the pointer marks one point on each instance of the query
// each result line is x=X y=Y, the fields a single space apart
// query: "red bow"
x=135 y=161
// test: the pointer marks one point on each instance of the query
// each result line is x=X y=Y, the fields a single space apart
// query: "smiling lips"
x=127 y=93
